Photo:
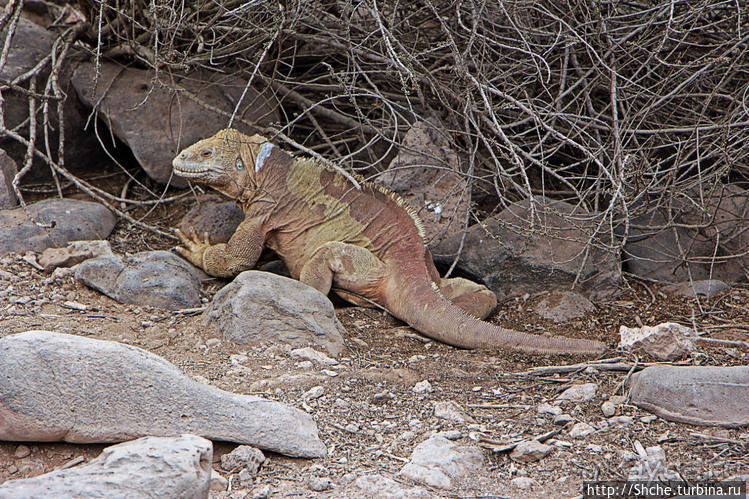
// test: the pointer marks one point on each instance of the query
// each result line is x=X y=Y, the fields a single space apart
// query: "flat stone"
x=70 y=220
x=386 y=488
x=562 y=419
x=60 y=387
x=309 y=353
x=511 y=259
x=154 y=278
x=314 y=393
x=523 y=482
x=700 y=395
x=529 y=451
x=143 y=468
x=156 y=121
x=706 y=287
x=580 y=430
x=546 y=408
x=450 y=411
x=667 y=341
x=621 y=420
x=73 y=254
x=562 y=306
x=439 y=462
x=261 y=308
x=579 y=393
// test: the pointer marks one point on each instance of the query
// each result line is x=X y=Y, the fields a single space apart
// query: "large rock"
x=155 y=278
x=8 y=170
x=439 y=462
x=60 y=387
x=259 y=307
x=70 y=220
x=426 y=173
x=666 y=341
x=144 y=468
x=31 y=43
x=216 y=216
x=701 y=395
x=157 y=121
x=692 y=242
x=511 y=259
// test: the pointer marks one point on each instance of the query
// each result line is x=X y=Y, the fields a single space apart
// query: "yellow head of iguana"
x=219 y=161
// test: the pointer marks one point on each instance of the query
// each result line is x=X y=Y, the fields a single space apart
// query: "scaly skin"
x=365 y=244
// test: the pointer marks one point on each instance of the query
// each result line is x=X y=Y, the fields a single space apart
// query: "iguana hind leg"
x=354 y=271
x=474 y=298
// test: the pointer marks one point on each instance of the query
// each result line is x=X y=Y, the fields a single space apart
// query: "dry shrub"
x=615 y=106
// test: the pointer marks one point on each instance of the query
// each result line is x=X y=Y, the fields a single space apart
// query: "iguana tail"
x=426 y=310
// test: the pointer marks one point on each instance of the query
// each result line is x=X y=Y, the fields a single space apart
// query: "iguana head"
x=227 y=161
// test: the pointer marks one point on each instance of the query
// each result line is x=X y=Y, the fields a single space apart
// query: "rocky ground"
x=386 y=394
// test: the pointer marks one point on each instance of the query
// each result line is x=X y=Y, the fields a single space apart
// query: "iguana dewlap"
x=365 y=244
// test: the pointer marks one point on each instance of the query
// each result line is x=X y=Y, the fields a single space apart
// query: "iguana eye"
x=239 y=164
x=206 y=153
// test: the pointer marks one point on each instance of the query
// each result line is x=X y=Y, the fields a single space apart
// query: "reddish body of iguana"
x=365 y=244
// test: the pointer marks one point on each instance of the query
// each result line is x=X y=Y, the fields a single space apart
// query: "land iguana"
x=366 y=244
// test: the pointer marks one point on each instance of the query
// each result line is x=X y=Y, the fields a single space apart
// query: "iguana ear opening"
x=238 y=163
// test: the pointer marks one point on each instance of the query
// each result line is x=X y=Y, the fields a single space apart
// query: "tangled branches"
x=615 y=106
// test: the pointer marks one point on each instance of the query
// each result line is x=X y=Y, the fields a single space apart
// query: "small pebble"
x=423 y=387
x=318 y=484
x=212 y=342
x=608 y=409
x=562 y=419
x=22 y=451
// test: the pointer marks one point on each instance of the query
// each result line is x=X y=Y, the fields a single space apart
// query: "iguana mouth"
x=184 y=169
x=190 y=173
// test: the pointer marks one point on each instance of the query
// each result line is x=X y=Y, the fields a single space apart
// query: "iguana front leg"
x=240 y=253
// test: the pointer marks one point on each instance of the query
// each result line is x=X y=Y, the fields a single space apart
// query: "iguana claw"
x=194 y=246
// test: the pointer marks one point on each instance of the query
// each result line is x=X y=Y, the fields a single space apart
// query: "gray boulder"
x=60 y=387
x=156 y=121
x=696 y=240
x=440 y=463
x=155 y=278
x=511 y=259
x=8 y=170
x=700 y=395
x=426 y=173
x=31 y=43
x=218 y=217
x=144 y=468
x=70 y=220
x=259 y=307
